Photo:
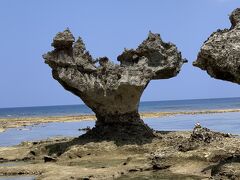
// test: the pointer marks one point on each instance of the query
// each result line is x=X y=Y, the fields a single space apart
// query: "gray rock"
x=159 y=161
x=220 y=53
x=111 y=90
x=201 y=136
x=206 y=135
x=227 y=168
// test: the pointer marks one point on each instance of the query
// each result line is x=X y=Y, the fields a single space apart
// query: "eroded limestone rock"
x=201 y=136
x=220 y=53
x=111 y=90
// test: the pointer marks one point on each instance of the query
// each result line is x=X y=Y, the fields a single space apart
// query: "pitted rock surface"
x=111 y=90
x=206 y=135
x=200 y=136
x=220 y=53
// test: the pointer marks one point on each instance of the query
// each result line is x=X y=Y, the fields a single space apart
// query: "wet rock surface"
x=111 y=90
x=220 y=53
x=78 y=158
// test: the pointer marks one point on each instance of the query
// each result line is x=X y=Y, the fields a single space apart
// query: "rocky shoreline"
x=6 y=123
x=200 y=154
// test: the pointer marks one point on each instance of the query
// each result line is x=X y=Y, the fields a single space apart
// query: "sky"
x=107 y=27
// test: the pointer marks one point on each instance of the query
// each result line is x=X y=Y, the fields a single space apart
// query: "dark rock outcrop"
x=206 y=135
x=220 y=54
x=227 y=168
x=113 y=91
x=201 y=136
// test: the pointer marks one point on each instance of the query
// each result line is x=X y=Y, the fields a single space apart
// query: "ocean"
x=150 y=106
x=224 y=122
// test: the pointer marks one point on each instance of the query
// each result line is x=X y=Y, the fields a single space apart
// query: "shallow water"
x=12 y=164
x=17 y=178
x=224 y=122
x=15 y=136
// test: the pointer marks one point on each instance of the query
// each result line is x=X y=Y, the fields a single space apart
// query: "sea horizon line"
x=37 y=106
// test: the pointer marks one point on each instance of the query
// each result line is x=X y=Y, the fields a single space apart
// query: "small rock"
x=159 y=161
x=85 y=129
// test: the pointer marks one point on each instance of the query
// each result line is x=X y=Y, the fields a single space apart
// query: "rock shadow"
x=97 y=135
x=228 y=167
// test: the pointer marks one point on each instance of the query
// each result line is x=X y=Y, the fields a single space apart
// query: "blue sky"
x=107 y=27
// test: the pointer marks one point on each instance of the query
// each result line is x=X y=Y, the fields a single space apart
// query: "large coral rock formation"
x=220 y=54
x=112 y=91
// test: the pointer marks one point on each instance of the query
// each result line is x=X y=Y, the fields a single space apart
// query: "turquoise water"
x=224 y=122
x=151 y=106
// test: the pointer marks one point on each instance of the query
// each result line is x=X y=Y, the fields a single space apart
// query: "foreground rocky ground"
x=201 y=154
